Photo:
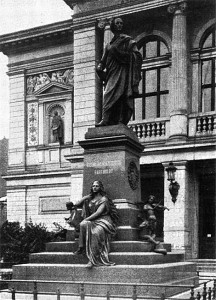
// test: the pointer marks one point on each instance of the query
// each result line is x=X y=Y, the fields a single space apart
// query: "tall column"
x=108 y=35
x=177 y=221
x=179 y=89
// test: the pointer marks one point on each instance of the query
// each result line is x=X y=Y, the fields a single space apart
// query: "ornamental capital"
x=177 y=8
x=102 y=23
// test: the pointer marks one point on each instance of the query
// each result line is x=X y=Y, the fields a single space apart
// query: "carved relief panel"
x=32 y=120
x=37 y=81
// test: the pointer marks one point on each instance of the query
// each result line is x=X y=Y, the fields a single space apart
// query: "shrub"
x=18 y=242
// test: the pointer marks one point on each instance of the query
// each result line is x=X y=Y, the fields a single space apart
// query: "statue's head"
x=151 y=199
x=116 y=25
x=97 y=187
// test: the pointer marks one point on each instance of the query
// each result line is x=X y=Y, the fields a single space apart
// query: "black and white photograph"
x=107 y=149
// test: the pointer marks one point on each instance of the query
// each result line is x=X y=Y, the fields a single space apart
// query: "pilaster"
x=84 y=80
x=16 y=205
x=177 y=225
x=16 y=157
x=179 y=89
x=41 y=124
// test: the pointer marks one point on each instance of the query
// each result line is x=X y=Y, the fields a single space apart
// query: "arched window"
x=208 y=70
x=152 y=101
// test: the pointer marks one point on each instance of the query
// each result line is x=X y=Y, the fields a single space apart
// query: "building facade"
x=52 y=69
x=3 y=165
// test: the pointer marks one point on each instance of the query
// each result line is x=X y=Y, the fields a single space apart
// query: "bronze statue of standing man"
x=122 y=64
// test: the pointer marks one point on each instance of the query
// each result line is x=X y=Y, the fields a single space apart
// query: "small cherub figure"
x=150 y=221
x=74 y=219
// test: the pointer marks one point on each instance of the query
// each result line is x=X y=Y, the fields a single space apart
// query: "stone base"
x=111 y=155
x=167 y=274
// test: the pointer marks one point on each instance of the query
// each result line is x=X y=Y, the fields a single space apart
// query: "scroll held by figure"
x=149 y=223
x=99 y=220
x=57 y=128
x=120 y=70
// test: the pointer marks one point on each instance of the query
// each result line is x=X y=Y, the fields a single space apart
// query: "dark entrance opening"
x=207 y=217
x=152 y=183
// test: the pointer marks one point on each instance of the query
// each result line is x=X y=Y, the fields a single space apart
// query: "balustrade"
x=148 y=131
x=153 y=131
x=205 y=291
x=206 y=124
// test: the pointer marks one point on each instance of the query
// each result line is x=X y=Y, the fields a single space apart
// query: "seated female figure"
x=100 y=217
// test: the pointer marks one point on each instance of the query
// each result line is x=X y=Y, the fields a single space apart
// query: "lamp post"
x=173 y=186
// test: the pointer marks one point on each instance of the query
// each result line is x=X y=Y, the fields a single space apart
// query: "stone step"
x=205 y=265
x=169 y=273
x=205 y=260
x=130 y=258
x=206 y=268
x=99 y=291
x=115 y=246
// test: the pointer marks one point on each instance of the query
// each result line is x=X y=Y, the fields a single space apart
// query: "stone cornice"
x=87 y=13
x=129 y=7
x=82 y=19
x=26 y=175
x=35 y=35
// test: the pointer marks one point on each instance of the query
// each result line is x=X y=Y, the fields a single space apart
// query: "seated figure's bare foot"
x=143 y=224
x=101 y=123
x=80 y=250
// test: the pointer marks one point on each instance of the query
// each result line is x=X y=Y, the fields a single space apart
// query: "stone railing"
x=203 y=124
x=199 y=125
x=205 y=290
x=150 y=130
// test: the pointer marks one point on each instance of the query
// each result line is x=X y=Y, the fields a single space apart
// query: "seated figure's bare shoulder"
x=103 y=199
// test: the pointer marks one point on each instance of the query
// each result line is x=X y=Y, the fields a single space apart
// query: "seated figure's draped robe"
x=94 y=235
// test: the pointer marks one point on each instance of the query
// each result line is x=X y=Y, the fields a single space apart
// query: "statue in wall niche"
x=57 y=128
x=120 y=70
x=149 y=223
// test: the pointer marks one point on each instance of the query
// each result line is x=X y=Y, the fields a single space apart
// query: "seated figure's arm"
x=79 y=202
x=160 y=207
x=98 y=212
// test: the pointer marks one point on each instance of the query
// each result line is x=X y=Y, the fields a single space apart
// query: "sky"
x=17 y=15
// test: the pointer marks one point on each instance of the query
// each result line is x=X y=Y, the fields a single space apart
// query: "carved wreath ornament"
x=133 y=175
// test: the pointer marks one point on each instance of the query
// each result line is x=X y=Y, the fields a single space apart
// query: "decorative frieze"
x=32 y=124
x=101 y=23
x=37 y=81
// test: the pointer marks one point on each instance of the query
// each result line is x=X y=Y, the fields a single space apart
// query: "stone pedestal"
x=111 y=155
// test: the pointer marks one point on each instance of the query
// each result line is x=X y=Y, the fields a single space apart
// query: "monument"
x=111 y=155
